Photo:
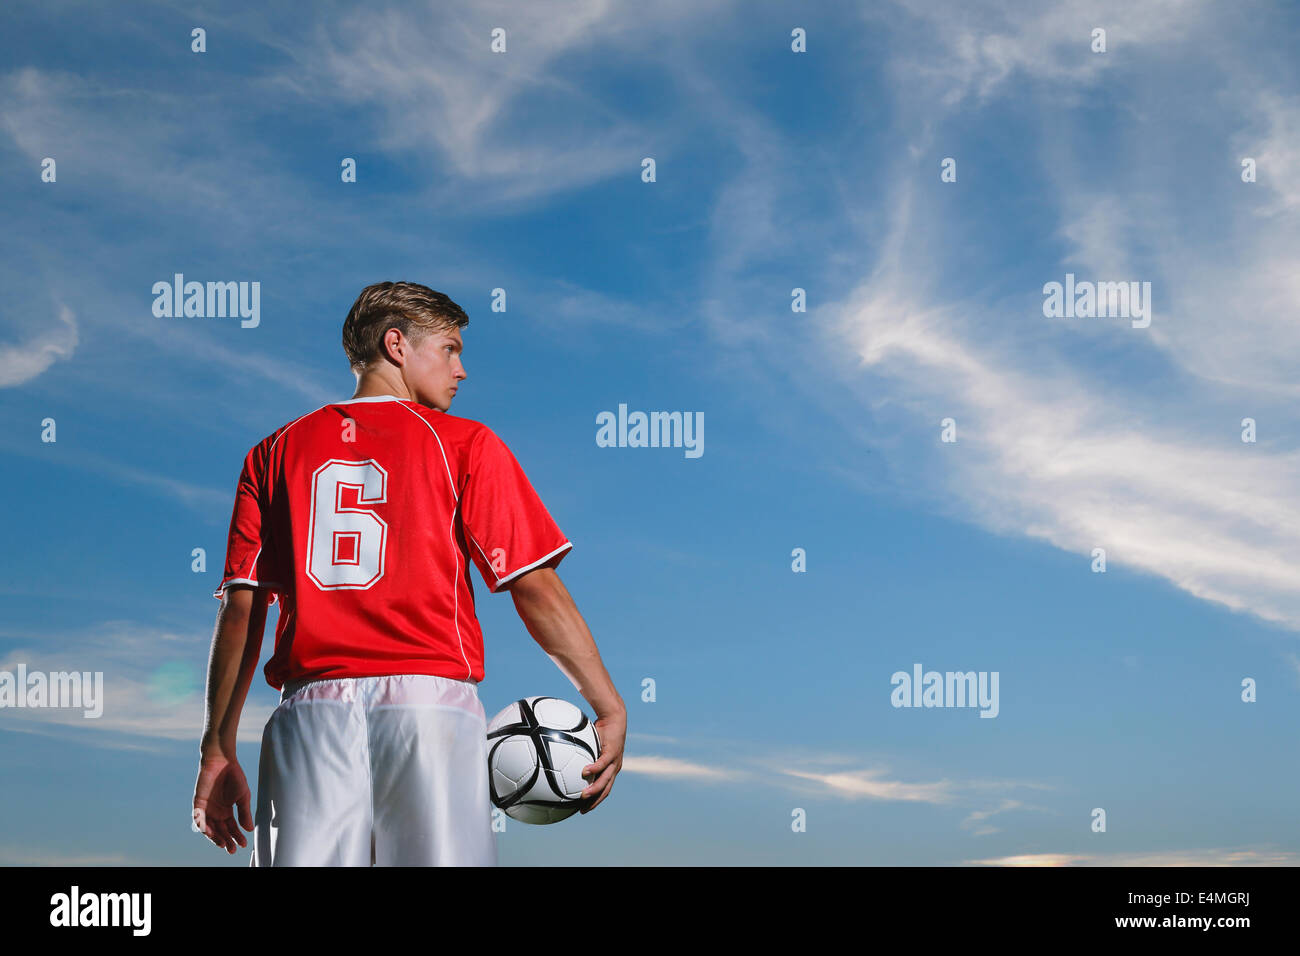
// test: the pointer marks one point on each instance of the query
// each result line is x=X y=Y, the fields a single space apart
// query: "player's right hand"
x=612 y=729
x=220 y=789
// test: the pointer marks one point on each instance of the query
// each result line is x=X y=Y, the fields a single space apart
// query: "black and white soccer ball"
x=537 y=748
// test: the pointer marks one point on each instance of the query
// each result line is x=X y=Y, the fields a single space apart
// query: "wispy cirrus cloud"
x=23 y=361
x=972 y=50
x=207 y=501
x=1041 y=454
x=874 y=785
x=977 y=823
x=153 y=686
x=137 y=149
x=123 y=140
x=654 y=765
x=434 y=88
x=840 y=776
x=23 y=856
x=1089 y=433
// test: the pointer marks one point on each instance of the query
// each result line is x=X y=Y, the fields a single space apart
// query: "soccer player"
x=362 y=518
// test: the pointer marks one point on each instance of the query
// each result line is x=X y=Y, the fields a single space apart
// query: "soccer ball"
x=537 y=748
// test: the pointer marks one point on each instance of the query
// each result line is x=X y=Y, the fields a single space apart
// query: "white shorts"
x=375 y=771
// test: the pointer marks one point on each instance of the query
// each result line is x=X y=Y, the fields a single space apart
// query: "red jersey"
x=363 y=517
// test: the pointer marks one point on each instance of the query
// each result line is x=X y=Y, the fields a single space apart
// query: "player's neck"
x=373 y=386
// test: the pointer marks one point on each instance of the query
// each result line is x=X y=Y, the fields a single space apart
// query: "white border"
x=528 y=567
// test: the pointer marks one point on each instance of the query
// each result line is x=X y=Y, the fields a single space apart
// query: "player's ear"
x=394 y=345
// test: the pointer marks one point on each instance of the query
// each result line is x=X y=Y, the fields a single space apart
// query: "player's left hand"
x=613 y=730
x=221 y=788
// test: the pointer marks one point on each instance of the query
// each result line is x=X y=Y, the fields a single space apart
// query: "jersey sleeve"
x=509 y=529
x=250 y=552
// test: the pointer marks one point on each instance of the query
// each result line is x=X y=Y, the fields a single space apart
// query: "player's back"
x=364 y=516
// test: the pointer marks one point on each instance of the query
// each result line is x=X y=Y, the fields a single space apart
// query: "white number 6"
x=346 y=543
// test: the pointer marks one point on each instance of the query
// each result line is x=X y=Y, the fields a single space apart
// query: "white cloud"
x=143 y=149
x=569 y=305
x=960 y=49
x=138 y=141
x=1090 y=433
x=872 y=785
x=207 y=501
x=1276 y=150
x=653 y=765
x=812 y=774
x=153 y=687
x=21 y=856
x=657 y=738
x=808 y=774
x=1041 y=454
x=24 y=361
x=976 y=820
x=509 y=126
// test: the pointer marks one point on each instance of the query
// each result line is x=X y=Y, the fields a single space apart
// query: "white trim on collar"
x=372 y=398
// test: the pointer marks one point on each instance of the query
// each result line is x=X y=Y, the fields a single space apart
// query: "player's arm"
x=236 y=647
x=548 y=611
x=222 y=788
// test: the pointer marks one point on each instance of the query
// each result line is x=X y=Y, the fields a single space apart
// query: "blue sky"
x=775 y=170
